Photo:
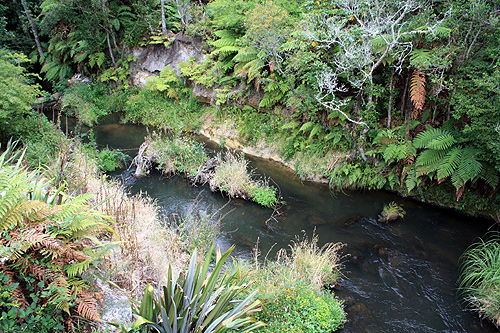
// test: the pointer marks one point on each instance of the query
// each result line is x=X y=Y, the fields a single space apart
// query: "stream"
x=398 y=277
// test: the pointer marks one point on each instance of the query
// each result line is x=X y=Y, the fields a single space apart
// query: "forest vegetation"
x=401 y=95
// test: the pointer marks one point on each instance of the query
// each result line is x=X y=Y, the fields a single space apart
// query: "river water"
x=398 y=277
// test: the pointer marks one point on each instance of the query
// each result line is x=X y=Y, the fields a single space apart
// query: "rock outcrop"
x=155 y=57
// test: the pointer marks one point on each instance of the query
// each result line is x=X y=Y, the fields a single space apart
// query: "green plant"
x=43 y=318
x=88 y=102
x=178 y=154
x=49 y=238
x=16 y=92
x=444 y=159
x=291 y=287
x=391 y=212
x=264 y=195
x=167 y=82
x=110 y=159
x=480 y=278
x=197 y=301
x=300 y=309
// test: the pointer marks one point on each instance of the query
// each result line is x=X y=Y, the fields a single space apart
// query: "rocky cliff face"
x=155 y=57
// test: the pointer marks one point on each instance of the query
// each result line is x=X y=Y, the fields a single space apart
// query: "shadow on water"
x=399 y=277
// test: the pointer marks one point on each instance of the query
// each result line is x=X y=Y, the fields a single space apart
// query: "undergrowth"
x=291 y=288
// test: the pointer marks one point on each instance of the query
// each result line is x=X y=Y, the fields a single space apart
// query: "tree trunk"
x=33 y=28
x=110 y=48
x=389 y=108
x=163 y=24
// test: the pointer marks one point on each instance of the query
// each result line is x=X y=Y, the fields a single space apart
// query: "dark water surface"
x=400 y=277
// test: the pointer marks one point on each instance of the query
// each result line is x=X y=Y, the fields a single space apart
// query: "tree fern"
x=428 y=161
x=448 y=160
x=449 y=163
x=469 y=167
x=434 y=138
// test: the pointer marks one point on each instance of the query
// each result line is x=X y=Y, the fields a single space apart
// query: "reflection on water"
x=399 y=277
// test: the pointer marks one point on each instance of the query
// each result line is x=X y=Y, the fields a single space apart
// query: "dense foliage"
x=48 y=239
x=394 y=94
x=406 y=90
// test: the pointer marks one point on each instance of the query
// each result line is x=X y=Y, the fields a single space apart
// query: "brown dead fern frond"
x=17 y=294
x=87 y=307
x=417 y=92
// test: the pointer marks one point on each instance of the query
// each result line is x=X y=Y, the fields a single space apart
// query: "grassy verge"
x=291 y=288
x=480 y=278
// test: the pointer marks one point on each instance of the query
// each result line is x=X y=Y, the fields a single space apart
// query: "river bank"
x=391 y=270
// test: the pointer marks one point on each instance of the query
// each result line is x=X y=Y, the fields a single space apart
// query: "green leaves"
x=443 y=157
x=198 y=301
x=434 y=138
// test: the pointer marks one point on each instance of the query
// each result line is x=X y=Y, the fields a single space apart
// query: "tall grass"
x=177 y=154
x=291 y=288
x=232 y=176
x=148 y=245
x=480 y=278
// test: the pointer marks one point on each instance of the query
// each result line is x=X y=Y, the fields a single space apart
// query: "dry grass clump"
x=305 y=264
x=231 y=175
x=148 y=247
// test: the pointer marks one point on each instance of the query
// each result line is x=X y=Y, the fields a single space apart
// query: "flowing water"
x=398 y=277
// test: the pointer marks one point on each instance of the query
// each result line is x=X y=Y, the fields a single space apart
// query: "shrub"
x=291 y=288
x=300 y=309
x=110 y=159
x=197 y=301
x=265 y=195
x=151 y=108
x=178 y=154
x=480 y=278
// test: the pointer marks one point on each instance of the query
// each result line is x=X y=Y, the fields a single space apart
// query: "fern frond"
x=87 y=308
x=75 y=269
x=490 y=176
x=449 y=163
x=469 y=167
x=417 y=92
x=434 y=138
x=420 y=58
x=246 y=54
x=306 y=127
x=225 y=34
x=291 y=125
x=229 y=49
x=315 y=130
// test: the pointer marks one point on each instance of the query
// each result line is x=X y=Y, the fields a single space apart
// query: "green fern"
x=435 y=138
x=447 y=160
